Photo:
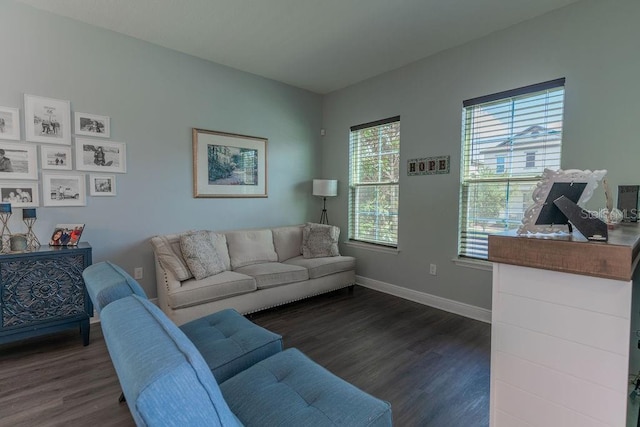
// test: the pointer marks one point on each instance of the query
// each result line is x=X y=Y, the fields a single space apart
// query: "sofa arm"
x=165 y=283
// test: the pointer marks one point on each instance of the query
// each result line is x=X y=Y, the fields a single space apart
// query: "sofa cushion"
x=287 y=241
x=290 y=389
x=271 y=274
x=230 y=343
x=318 y=267
x=200 y=255
x=219 y=286
x=248 y=247
x=168 y=253
x=320 y=240
x=138 y=333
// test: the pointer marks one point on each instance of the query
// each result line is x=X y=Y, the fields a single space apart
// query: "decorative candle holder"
x=29 y=218
x=5 y=234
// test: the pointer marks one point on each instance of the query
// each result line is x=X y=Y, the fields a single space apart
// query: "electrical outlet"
x=433 y=269
x=138 y=273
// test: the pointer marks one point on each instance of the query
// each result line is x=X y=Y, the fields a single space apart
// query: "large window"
x=509 y=138
x=374 y=171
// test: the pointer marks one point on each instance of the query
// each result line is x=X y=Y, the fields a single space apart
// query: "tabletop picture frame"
x=228 y=165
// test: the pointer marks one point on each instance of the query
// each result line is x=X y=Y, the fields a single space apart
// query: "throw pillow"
x=200 y=255
x=320 y=240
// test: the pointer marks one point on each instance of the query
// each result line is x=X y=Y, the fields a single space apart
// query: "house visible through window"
x=530 y=161
x=374 y=172
x=509 y=138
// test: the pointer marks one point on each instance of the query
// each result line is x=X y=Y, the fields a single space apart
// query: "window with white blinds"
x=508 y=139
x=374 y=172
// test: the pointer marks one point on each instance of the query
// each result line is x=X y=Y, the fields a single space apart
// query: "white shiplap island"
x=561 y=325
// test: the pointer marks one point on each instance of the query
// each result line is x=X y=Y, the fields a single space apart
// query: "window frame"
x=470 y=241
x=355 y=187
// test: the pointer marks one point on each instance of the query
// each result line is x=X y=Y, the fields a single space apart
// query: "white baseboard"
x=466 y=310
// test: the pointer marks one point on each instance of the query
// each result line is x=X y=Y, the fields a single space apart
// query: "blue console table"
x=42 y=291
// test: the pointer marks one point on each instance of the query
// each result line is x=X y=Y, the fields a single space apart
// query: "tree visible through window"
x=509 y=138
x=374 y=171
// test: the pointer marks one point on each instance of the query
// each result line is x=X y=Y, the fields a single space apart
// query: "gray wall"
x=593 y=43
x=154 y=97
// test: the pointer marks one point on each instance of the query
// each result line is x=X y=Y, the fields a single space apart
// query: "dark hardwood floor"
x=431 y=365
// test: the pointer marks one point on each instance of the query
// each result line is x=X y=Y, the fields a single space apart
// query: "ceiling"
x=318 y=45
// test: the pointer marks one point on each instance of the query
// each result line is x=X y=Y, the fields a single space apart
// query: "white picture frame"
x=539 y=197
x=101 y=156
x=21 y=194
x=56 y=157
x=102 y=185
x=10 y=123
x=92 y=125
x=47 y=120
x=18 y=161
x=64 y=189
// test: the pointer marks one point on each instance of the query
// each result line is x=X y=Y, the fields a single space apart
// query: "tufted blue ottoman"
x=290 y=389
x=230 y=343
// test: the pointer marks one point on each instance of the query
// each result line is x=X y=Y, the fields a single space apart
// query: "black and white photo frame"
x=63 y=189
x=18 y=161
x=55 y=157
x=21 y=194
x=92 y=125
x=101 y=156
x=10 y=123
x=47 y=120
x=102 y=184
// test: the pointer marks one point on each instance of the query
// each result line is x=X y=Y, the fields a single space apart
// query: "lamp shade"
x=325 y=187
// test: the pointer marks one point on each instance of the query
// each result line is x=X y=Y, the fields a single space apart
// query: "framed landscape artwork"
x=18 y=161
x=92 y=125
x=47 y=120
x=21 y=194
x=63 y=190
x=55 y=157
x=101 y=156
x=9 y=123
x=229 y=165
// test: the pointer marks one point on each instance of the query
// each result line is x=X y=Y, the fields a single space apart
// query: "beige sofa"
x=261 y=268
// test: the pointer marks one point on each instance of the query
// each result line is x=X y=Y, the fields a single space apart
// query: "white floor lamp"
x=325 y=188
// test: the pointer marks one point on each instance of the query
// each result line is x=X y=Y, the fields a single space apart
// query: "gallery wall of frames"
x=62 y=157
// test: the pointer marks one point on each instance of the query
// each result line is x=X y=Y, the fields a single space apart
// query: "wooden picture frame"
x=63 y=189
x=47 y=120
x=10 y=123
x=228 y=165
x=101 y=156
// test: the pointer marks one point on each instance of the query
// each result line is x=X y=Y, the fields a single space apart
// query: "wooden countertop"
x=571 y=253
